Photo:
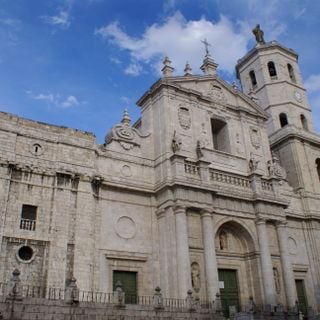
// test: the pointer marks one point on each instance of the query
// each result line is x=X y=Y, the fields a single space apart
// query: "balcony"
x=26 y=224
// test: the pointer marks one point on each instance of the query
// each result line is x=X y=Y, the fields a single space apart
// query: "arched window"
x=272 y=70
x=253 y=79
x=283 y=119
x=291 y=72
x=318 y=167
x=304 y=122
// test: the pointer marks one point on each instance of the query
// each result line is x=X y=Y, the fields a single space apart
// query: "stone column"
x=266 y=264
x=287 y=271
x=164 y=279
x=210 y=259
x=183 y=260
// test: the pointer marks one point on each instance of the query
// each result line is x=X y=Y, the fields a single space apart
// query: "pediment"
x=219 y=92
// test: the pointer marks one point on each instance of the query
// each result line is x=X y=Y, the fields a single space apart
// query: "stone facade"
x=209 y=180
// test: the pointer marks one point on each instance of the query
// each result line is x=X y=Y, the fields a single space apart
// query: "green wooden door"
x=129 y=284
x=303 y=304
x=228 y=283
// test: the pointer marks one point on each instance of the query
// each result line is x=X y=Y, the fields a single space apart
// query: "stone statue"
x=276 y=279
x=176 y=143
x=253 y=163
x=223 y=240
x=258 y=33
x=195 y=277
x=275 y=169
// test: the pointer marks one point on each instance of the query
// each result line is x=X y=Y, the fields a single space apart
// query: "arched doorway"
x=238 y=266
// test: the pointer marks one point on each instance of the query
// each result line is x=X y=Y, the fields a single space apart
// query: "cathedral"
x=214 y=189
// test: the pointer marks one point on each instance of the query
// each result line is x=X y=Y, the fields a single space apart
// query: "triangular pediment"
x=209 y=88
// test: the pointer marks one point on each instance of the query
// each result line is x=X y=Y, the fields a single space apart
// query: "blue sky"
x=79 y=63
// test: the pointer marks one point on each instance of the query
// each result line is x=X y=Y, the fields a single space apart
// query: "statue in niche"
x=276 y=278
x=195 y=277
x=258 y=33
x=223 y=240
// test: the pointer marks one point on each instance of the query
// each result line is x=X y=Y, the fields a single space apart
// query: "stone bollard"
x=158 y=299
x=119 y=295
x=72 y=292
x=14 y=289
x=191 y=304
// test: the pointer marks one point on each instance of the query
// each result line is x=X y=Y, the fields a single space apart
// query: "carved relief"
x=184 y=117
x=195 y=276
x=255 y=137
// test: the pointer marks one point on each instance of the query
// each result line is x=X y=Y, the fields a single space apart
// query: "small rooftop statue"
x=258 y=33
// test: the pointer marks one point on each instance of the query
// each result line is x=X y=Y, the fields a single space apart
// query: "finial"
x=187 y=69
x=206 y=44
x=126 y=118
x=258 y=33
x=167 y=69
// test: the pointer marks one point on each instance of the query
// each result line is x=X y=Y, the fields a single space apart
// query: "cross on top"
x=206 y=44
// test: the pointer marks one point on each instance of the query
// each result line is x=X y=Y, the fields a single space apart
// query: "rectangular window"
x=28 y=217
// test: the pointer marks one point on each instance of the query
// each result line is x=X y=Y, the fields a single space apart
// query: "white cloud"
x=55 y=99
x=313 y=83
x=133 y=69
x=62 y=19
x=46 y=97
x=180 y=40
x=71 y=101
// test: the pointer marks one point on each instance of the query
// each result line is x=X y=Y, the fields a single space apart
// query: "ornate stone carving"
x=184 y=117
x=255 y=137
x=216 y=93
x=127 y=136
x=275 y=170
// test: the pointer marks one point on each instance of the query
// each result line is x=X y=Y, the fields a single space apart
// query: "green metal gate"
x=302 y=299
x=229 y=290
x=129 y=284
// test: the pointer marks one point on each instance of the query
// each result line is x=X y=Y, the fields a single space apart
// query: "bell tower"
x=270 y=75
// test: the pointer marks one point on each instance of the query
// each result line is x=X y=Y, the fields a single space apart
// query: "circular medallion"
x=126 y=227
x=126 y=171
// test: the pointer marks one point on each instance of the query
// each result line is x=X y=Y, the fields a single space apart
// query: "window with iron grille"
x=28 y=217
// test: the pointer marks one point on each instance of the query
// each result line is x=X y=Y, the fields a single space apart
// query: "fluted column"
x=266 y=263
x=183 y=260
x=287 y=271
x=211 y=269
